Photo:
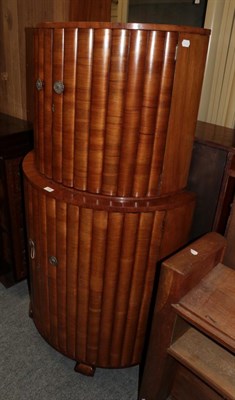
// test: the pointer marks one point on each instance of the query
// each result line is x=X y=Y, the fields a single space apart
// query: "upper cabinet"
x=116 y=105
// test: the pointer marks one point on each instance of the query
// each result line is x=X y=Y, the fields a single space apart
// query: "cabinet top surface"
x=219 y=136
x=102 y=202
x=16 y=136
x=11 y=126
x=118 y=25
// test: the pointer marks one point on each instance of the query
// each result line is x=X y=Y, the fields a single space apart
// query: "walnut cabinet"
x=115 y=112
x=93 y=262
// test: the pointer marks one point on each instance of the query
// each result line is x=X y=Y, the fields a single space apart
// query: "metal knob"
x=58 y=87
x=39 y=84
x=53 y=260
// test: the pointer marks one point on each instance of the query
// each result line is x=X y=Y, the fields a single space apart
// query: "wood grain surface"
x=124 y=124
x=93 y=304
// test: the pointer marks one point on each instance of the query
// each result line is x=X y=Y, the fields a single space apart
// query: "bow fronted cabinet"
x=115 y=113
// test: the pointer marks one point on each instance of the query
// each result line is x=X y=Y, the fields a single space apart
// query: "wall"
x=15 y=16
x=16 y=47
x=218 y=94
x=178 y=12
x=119 y=10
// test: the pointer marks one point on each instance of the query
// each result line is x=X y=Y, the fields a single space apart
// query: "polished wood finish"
x=217 y=134
x=87 y=199
x=179 y=274
x=91 y=10
x=84 y=369
x=106 y=251
x=120 y=25
x=104 y=189
x=124 y=125
x=16 y=139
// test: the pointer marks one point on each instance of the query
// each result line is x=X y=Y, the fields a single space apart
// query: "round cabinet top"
x=119 y=25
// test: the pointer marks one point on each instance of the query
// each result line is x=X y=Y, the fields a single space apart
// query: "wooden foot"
x=84 y=369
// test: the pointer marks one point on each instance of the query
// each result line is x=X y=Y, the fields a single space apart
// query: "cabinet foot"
x=84 y=369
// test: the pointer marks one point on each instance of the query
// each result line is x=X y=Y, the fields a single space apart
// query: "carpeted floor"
x=31 y=370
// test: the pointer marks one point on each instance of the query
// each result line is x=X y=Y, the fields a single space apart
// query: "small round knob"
x=39 y=84
x=53 y=260
x=58 y=87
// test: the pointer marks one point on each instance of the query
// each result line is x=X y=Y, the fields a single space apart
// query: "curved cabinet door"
x=93 y=264
x=116 y=105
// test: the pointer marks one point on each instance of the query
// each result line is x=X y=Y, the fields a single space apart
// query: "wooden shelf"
x=185 y=300
x=207 y=360
x=210 y=306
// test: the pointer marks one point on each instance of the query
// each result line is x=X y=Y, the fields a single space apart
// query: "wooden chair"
x=192 y=342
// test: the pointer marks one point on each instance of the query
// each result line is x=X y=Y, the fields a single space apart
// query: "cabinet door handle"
x=53 y=261
x=32 y=249
x=58 y=87
x=39 y=84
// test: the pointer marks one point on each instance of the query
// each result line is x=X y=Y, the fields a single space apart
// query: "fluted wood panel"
x=107 y=132
x=104 y=123
x=89 y=305
x=57 y=104
x=93 y=305
x=103 y=189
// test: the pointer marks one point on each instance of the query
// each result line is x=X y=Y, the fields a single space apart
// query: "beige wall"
x=218 y=95
x=15 y=16
x=119 y=10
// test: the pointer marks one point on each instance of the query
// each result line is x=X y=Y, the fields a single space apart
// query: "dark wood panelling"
x=90 y=10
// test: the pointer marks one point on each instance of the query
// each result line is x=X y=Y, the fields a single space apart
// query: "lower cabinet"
x=92 y=266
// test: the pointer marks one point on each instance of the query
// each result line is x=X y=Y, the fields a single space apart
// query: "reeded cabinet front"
x=93 y=267
x=116 y=105
x=115 y=112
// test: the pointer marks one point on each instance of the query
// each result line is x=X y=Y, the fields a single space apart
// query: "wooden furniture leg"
x=85 y=369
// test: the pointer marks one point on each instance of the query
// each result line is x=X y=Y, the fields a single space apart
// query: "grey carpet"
x=31 y=370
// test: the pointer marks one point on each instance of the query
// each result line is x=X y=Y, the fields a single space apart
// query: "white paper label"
x=48 y=189
x=194 y=252
x=185 y=43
